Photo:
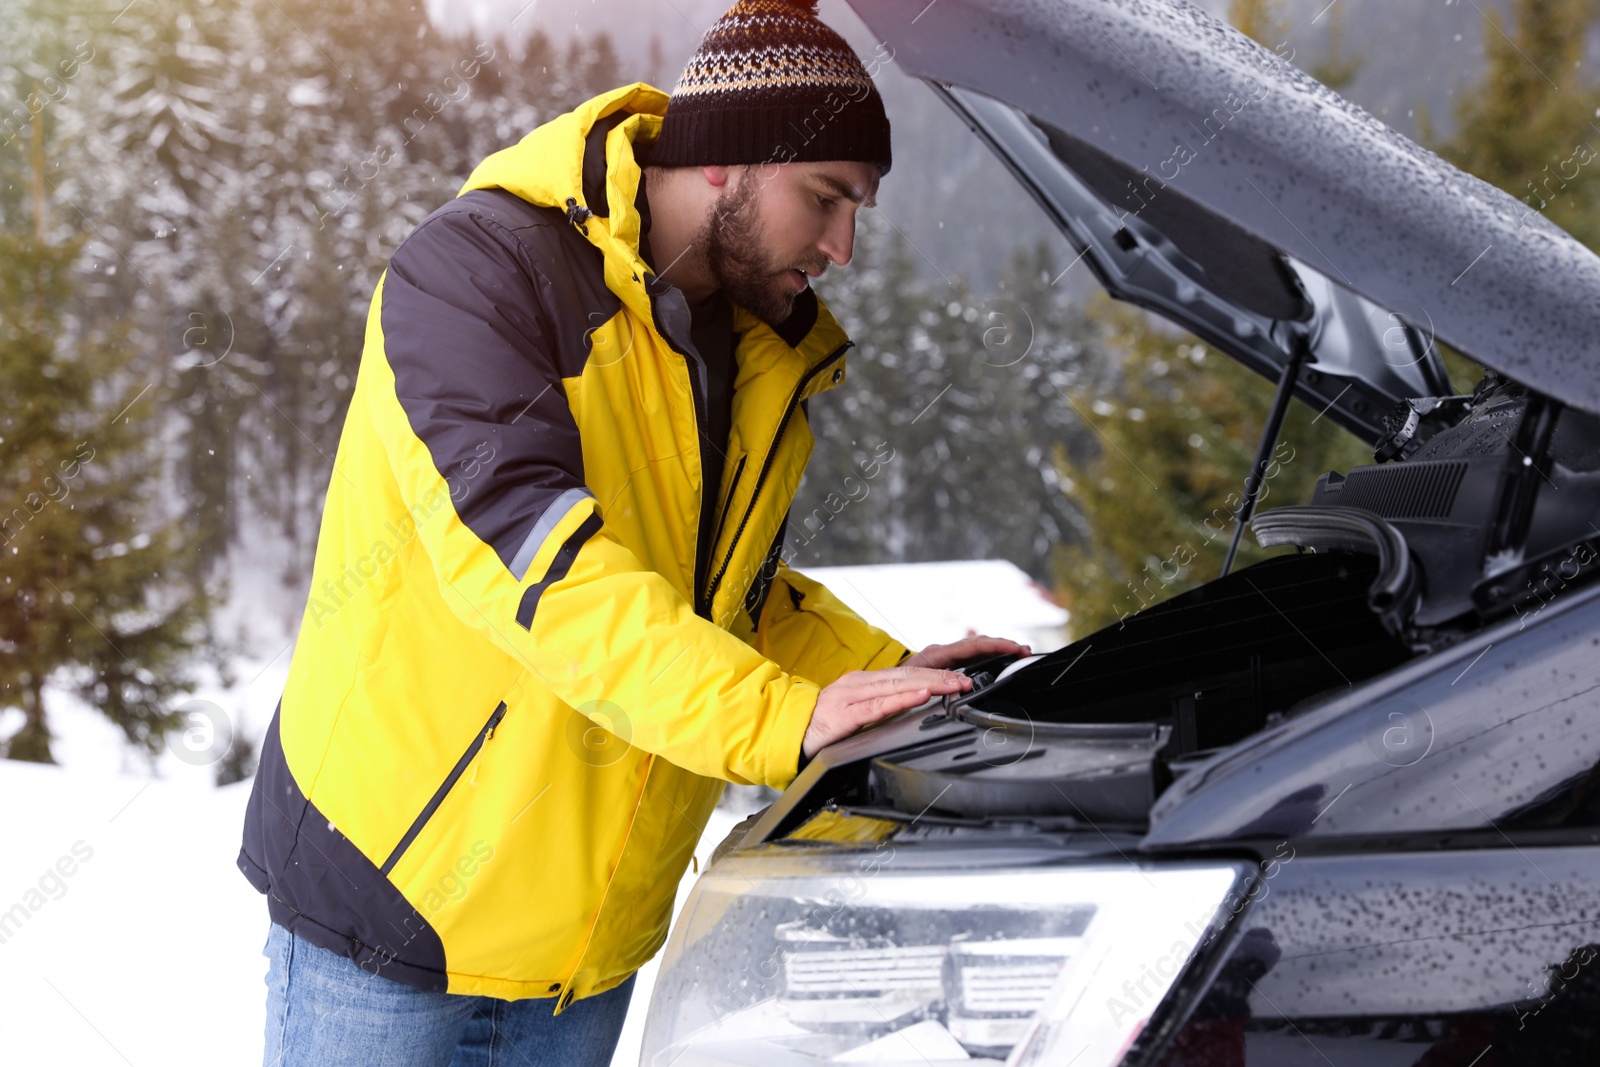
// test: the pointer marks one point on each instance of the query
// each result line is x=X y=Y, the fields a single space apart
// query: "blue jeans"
x=324 y=1011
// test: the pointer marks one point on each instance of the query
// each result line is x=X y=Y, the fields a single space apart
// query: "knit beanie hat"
x=771 y=83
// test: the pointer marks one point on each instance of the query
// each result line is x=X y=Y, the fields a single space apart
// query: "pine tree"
x=1260 y=20
x=258 y=255
x=1530 y=127
x=92 y=602
x=953 y=402
x=655 y=67
x=1175 y=439
x=246 y=166
x=1335 y=69
x=165 y=101
x=1264 y=22
x=167 y=98
x=851 y=424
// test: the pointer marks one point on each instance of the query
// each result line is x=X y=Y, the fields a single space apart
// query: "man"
x=548 y=617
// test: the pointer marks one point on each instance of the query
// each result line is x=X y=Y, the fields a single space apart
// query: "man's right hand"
x=863 y=697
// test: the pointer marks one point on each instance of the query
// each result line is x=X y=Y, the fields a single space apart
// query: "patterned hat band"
x=770 y=83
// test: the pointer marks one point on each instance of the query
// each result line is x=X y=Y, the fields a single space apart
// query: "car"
x=1340 y=806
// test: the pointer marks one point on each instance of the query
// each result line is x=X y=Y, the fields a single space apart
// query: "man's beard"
x=735 y=244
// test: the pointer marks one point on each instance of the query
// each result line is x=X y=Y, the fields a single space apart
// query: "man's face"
x=776 y=226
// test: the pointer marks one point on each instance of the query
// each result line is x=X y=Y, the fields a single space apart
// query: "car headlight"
x=790 y=960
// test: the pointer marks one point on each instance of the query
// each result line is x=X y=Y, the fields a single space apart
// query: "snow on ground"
x=137 y=940
x=143 y=941
x=128 y=936
x=922 y=604
x=145 y=947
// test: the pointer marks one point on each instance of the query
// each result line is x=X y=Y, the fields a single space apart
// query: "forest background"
x=197 y=197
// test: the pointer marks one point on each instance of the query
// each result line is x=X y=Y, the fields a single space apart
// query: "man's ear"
x=716 y=177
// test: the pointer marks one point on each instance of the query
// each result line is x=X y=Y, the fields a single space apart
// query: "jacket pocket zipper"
x=444 y=789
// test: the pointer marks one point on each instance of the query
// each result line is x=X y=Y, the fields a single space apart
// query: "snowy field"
x=145 y=947
x=133 y=938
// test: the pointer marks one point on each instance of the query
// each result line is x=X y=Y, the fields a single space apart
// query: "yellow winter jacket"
x=521 y=679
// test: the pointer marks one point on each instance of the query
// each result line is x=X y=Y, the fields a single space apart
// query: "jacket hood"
x=584 y=163
x=549 y=167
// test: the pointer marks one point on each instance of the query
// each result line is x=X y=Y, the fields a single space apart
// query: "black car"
x=1341 y=806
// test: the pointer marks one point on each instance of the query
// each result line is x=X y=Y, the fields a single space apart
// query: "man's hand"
x=968 y=648
x=863 y=697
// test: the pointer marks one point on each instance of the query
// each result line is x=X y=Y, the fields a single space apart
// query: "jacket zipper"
x=692 y=364
x=702 y=552
x=722 y=515
x=766 y=467
x=444 y=789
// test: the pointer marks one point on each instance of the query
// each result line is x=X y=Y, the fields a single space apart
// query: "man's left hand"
x=964 y=651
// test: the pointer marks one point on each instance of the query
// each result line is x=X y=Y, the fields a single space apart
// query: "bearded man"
x=549 y=618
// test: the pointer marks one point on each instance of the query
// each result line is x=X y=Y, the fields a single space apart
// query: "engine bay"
x=1098 y=729
x=1479 y=506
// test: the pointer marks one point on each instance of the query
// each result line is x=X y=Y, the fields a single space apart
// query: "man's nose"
x=838 y=241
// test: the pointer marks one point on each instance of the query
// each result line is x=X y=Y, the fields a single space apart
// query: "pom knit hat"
x=771 y=83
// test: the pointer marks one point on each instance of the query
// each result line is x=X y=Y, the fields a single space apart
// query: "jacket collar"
x=583 y=162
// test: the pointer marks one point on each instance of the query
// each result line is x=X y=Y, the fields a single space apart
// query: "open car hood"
x=1202 y=176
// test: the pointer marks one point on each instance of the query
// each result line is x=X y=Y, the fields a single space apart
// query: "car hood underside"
x=1206 y=178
